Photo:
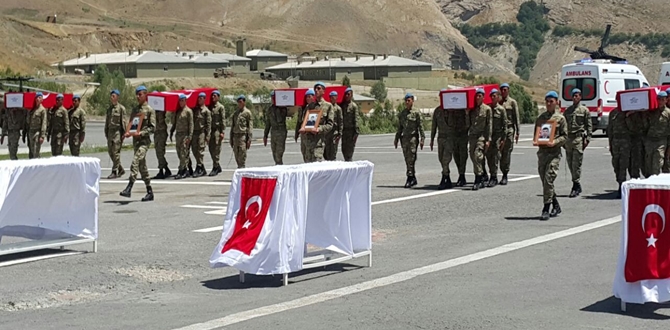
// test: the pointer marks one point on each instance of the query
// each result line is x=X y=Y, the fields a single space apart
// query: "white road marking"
x=393 y=279
x=202 y=207
x=159 y=182
x=217 y=212
x=523 y=178
x=218 y=203
x=208 y=230
x=31 y=259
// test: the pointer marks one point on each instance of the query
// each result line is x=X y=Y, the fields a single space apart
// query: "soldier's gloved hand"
x=421 y=144
x=431 y=145
x=516 y=139
x=265 y=142
x=395 y=144
x=42 y=140
x=248 y=144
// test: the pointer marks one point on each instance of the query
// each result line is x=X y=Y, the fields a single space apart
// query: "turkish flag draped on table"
x=274 y=211
x=643 y=271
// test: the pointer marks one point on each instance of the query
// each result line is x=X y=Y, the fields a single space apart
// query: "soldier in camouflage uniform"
x=656 y=141
x=549 y=155
x=183 y=124
x=580 y=129
x=241 y=131
x=202 y=130
x=512 y=137
x=636 y=124
x=309 y=99
x=115 y=129
x=59 y=129
x=160 y=142
x=619 y=143
x=218 y=131
x=479 y=135
x=77 y=117
x=13 y=124
x=350 y=126
x=333 y=137
x=314 y=140
x=141 y=143
x=444 y=153
x=36 y=127
x=410 y=133
x=499 y=122
x=275 y=122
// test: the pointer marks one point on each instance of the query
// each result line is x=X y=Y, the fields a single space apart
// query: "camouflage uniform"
x=299 y=120
x=443 y=154
x=218 y=113
x=549 y=158
x=458 y=141
x=313 y=143
x=480 y=127
x=350 y=129
x=330 y=146
x=410 y=129
x=184 y=126
x=241 y=132
x=141 y=144
x=513 y=124
x=160 y=140
x=202 y=127
x=499 y=122
x=275 y=122
x=36 y=129
x=579 y=127
x=619 y=141
x=14 y=121
x=658 y=123
x=636 y=124
x=115 y=128
x=77 y=129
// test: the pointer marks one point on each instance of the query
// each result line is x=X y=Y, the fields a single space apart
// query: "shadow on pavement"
x=120 y=203
x=274 y=281
x=398 y=186
x=523 y=218
x=612 y=305
x=608 y=195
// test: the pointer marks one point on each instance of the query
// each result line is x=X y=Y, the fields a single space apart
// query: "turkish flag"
x=648 y=251
x=255 y=198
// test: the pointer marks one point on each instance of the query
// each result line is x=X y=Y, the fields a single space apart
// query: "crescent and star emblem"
x=653 y=208
x=255 y=199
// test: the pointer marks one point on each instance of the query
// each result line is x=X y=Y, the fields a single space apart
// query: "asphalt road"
x=441 y=260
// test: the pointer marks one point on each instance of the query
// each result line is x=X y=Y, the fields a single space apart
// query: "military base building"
x=262 y=59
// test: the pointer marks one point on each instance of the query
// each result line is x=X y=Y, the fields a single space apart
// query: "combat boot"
x=179 y=174
x=203 y=170
x=149 y=196
x=168 y=173
x=478 y=181
x=618 y=193
x=503 y=181
x=197 y=173
x=408 y=183
x=448 y=184
x=485 y=177
x=461 y=181
x=413 y=182
x=545 y=212
x=160 y=175
x=493 y=182
x=579 y=188
x=556 y=209
x=126 y=192
x=443 y=183
x=215 y=171
x=112 y=176
x=190 y=170
x=122 y=172
x=573 y=192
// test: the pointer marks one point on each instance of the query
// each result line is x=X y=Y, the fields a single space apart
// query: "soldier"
x=218 y=113
x=202 y=129
x=549 y=155
x=656 y=141
x=14 y=121
x=141 y=143
x=333 y=137
x=77 y=117
x=410 y=133
x=579 y=135
x=275 y=122
x=36 y=127
x=350 y=126
x=499 y=122
x=512 y=136
x=619 y=143
x=636 y=124
x=444 y=153
x=309 y=99
x=115 y=129
x=160 y=141
x=314 y=140
x=479 y=135
x=183 y=124
x=241 y=131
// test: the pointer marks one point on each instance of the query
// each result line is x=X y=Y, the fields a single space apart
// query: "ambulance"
x=599 y=80
x=664 y=78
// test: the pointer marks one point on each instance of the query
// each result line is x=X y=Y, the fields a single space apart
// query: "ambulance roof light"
x=584 y=60
x=622 y=62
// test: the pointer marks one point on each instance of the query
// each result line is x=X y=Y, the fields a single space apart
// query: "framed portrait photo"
x=135 y=124
x=311 y=121
x=544 y=133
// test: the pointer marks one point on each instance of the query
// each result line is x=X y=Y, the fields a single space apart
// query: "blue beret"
x=318 y=83
x=115 y=91
x=76 y=96
x=504 y=85
x=480 y=91
x=662 y=94
x=333 y=93
x=495 y=90
x=272 y=93
x=202 y=94
x=241 y=97
x=348 y=90
x=38 y=94
x=216 y=92
x=667 y=90
x=59 y=96
x=409 y=96
x=140 y=89
x=309 y=92
x=551 y=94
x=576 y=90
x=182 y=97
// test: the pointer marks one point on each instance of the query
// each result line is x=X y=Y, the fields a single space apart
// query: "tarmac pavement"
x=451 y=259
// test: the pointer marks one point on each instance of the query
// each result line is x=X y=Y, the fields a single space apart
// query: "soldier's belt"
x=575 y=135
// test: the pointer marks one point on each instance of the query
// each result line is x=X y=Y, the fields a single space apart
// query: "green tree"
x=98 y=101
x=346 y=81
x=378 y=91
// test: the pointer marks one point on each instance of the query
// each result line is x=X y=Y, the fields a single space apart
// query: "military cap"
x=318 y=83
x=202 y=94
x=59 y=96
x=575 y=91
x=115 y=91
x=480 y=91
x=409 y=96
x=140 y=89
x=309 y=92
x=667 y=90
x=493 y=91
x=551 y=94
x=216 y=92
x=333 y=93
x=76 y=97
x=662 y=94
x=241 y=97
x=38 y=94
x=348 y=90
x=503 y=85
x=182 y=97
